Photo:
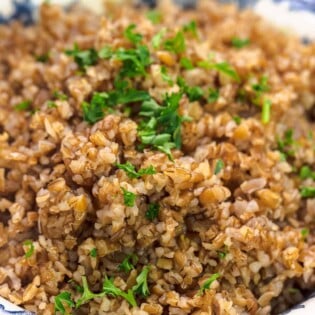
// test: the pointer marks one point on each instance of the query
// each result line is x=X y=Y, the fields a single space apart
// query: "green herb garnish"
x=165 y=76
x=60 y=96
x=306 y=172
x=285 y=144
x=87 y=294
x=191 y=27
x=25 y=105
x=237 y=119
x=153 y=211
x=110 y=289
x=141 y=286
x=305 y=233
x=265 y=113
x=154 y=16
x=83 y=58
x=157 y=38
x=194 y=93
x=262 y=85
x=129 y=197
x=62 y=299
x=43 y=58
x=218 y=167
x=307 y=192
x=213 y=95
x=93 y=252
x=186 y=63
x=132 y=173
x=206 y=285
x=133 y=37
x=29 y=248
x=176 y=44
x=240 y=42
x=128 y=263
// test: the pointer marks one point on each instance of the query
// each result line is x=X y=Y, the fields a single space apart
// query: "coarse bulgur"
x=214 y=219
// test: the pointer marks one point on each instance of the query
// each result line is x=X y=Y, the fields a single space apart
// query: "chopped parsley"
x=133 y=37
x=222 y=255
x=307 y=192
x=62 y=299
x=206 y=285
x=262 y=85
x=161 y=127
x=60 y=96
x=129 y=197
x=194 y=93
x=237 y=119
x=213 y=95
x=305 y=233
x=103 y=101
x=29 y=248
x=186 y=63
x=128 y=263
x=240 y=42
x=93 y=252
x=87 y=294
x=132 y=173
x=218 y=167
x=43 y=58
x=24 y=105
x=176 y=44
x=83 y=58
x=165 y=76
x=306 y=172
x=191 y=27
x=109 y=288
x=265 y=113
x=154 y=16
x=223 y=67
x=285 y=144
x=153 y=211
x=157 y=38
x=105 y=53
x=141 y=286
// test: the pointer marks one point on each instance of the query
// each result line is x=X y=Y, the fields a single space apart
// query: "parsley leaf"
x=305 y=233
x=157 y=38
x=133 y=37
x=60 y=96
x=265 y=114
x=176 y=44
x=240 y=42
x=307 y=192
x=165 y=76
x=306 y=172
x=87 y=294
x=83 y=58
x=128 y=263
x=186 y=63
x=132 y=173
x=106 y=52
x=93 y=252
x=129 y=197
x=134 y=61
x=213 y=95
x=154 y=16
x=262 y=85
x=237 y=119
x=60 y=300
x=29 y=245
x=285 y=145
x=43 y=58
x=25 y=105
x=191 y=27
x=194 y=93
x=206 y=285
x=110 y=289
x=141 y=286
x=153 y=211
x=218 y=167
x=223 y=67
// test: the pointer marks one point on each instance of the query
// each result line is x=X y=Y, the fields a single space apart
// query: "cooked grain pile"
x=164 y=164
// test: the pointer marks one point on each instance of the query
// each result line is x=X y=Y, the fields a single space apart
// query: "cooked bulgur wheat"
x=222 y=223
